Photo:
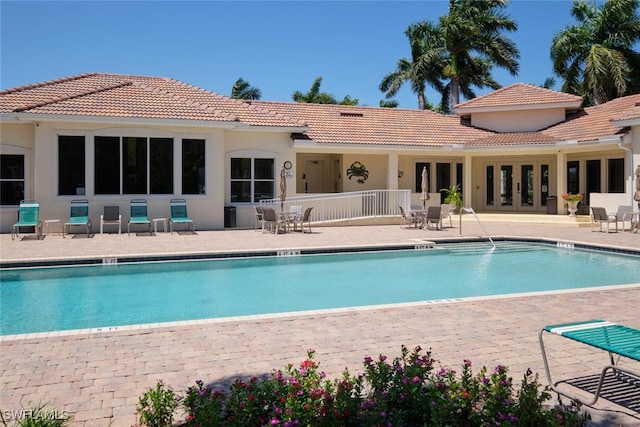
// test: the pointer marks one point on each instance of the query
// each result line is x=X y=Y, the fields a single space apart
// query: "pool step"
x=484 y=248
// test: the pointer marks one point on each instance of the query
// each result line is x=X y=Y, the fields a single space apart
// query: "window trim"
x=251 y=154
x=121 y=132
x=26 y=153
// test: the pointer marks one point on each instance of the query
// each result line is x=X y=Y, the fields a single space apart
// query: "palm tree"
x=595 y=57
x=243 y=90
x=314 y=96
x=462 y=48
x=473 y=36
x=348 y=101
x=548 y=83
x=391 y=103
x=478 y=75
x=424 y=68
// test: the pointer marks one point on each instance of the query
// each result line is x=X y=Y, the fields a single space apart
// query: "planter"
x=573 y=207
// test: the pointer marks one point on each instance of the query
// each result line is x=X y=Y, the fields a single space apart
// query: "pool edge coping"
x=221 y=254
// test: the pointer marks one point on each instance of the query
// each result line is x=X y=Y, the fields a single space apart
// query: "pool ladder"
x=470 y=210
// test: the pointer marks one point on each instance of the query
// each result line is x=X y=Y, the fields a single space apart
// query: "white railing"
x=347 y=206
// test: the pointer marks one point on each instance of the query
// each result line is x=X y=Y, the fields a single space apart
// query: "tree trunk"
x=421 y=101
x=455 y=91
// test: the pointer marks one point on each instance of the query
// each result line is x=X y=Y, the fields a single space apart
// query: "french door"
x=513 y=187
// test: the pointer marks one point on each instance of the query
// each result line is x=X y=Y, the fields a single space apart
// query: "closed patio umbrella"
x=283 y=188
x=425 y=187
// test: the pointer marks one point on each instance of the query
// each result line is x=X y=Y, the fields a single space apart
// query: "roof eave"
x=39 y=118
x=626 y=122
x=575 y=105
x=601 y=140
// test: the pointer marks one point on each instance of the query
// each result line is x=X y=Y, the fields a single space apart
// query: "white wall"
x=518 y=120
x=18 y=139
x=250 y=144
x=207 y=210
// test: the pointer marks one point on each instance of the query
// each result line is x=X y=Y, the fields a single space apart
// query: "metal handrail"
x=347 y=206
x=470 y=210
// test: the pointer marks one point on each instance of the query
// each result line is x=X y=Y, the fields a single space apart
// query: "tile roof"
x=513 y=138
x=630 y=114
x=594 y=122
x=518 y=95
x=128 y=96
x=342 y=124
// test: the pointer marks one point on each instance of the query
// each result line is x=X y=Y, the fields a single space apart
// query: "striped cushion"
x=605 y=335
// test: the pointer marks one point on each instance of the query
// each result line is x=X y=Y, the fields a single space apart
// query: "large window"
x=11 y=179
x=133 y=165
x=615 y=179
x=193 y=166
x=573 y=177
x=71 y=165
x=252 y=179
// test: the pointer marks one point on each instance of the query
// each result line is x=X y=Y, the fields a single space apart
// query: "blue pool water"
x=49 y=299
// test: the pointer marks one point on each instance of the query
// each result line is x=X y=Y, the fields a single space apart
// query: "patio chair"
x=295 y=213
x=624 y=214
x=179 y=215
x=78 y=216
x=408 y=218
x=433 y=217
x=445 y=212
x=271 y=221
x=302 y=219
x=616 y=339
x=138 y=214
x=28 y=216
x=111 y=216
x=259 y=218
x=599 y=216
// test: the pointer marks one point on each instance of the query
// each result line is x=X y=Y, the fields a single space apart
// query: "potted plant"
x=453 y=196
x=572 y=201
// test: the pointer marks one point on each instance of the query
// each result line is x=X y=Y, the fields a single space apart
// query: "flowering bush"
x=405 y=391
x=573 y=197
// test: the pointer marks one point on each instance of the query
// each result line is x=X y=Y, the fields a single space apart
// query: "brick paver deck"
x=100 y=376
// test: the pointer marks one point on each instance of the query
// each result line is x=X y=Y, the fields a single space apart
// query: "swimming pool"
x=52 y=299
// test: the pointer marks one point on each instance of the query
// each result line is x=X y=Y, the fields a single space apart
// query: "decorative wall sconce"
x=400 y=174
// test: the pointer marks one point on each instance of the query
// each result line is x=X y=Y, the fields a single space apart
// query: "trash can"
x=552 y=205
x=229 y=216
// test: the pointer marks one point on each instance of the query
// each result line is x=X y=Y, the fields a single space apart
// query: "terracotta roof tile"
x=594 y=122
x=518 y=95
x=513 y=138
x=123 y=96
x=376 y=126
x=129 y=96
x=631 y=113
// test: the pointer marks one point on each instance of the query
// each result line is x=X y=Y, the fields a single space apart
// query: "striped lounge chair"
x=618 y=340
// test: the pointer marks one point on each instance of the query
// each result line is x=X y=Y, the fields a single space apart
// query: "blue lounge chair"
x=179 y=215
x=138 y=214
x=78 y=217
x=28 y=216
x=618 y=340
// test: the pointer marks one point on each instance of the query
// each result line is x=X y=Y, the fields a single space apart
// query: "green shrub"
x=405 y=391
x=157 y=405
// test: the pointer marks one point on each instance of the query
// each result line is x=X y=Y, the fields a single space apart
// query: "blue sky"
x=277 y=46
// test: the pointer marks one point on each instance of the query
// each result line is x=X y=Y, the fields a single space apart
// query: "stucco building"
x=111 y=138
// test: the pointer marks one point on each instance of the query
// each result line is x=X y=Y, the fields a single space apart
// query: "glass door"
x=506 y=186
x=526 y=186
x=515 y=187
